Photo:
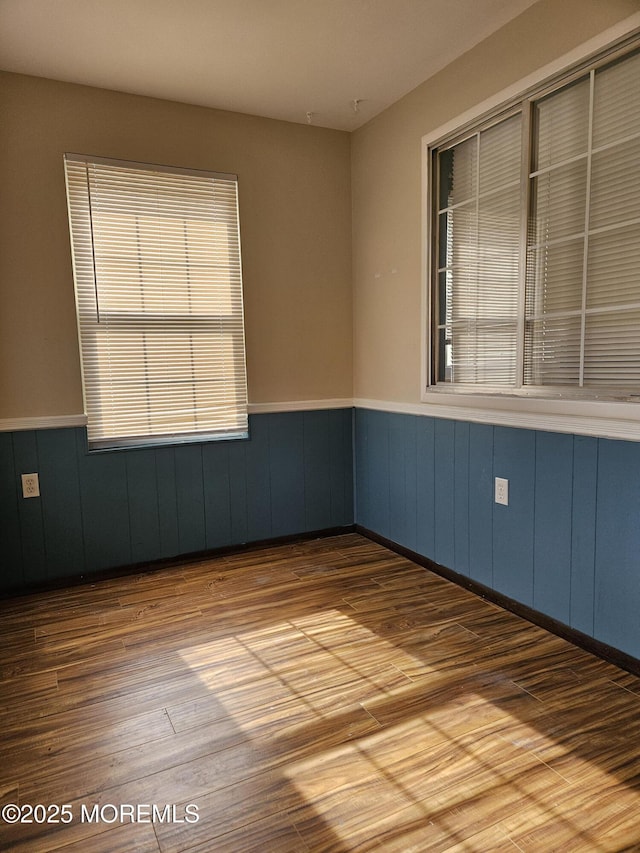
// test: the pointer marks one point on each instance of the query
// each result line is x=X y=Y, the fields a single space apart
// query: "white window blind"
x=479 y=250
x=583 y=283
x=157 y=267
x=536 y=277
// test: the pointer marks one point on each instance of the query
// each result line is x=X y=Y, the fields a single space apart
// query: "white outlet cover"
x=502 y=491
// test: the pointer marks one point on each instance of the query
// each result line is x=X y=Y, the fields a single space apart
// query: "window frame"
x=556 y=409
x=120 y=318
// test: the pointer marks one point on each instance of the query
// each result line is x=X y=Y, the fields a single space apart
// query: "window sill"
x=602 y=418
x=579 y=417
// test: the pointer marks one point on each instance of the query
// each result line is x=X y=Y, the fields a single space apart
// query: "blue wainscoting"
x=568 y=544
x=99 y=511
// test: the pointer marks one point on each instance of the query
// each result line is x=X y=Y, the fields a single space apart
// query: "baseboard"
x=583 y=641
x=169 y=562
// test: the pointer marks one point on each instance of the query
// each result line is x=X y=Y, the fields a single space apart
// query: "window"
x=535 y=272
x=156 y=257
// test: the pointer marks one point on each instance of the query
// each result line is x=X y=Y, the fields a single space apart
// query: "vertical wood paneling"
x=583 y=527
x=258 y=479
x=397 y=479
x=238 y=491
x=444 y=450
x=617 y=563
x=142 y=488
x=190 y=498
x=286 y=463
x=341 y=466
x=461 y=498
x=217 y=497
x=362 y=461
x=25 y=453
x=11 y=573
x=425 y=487
x=317 y=474
x=552 y=531
x=551 y=517
x=105 y=507
x=104 y=510
x=481 y=503
x=61 y=507
x=379 y=471
x=514 y=458
x=167 y=501
x=410 y=425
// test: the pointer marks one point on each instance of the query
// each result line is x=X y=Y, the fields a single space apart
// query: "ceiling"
x=276 y=58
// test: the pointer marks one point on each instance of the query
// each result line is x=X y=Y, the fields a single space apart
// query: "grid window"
x=536 y=273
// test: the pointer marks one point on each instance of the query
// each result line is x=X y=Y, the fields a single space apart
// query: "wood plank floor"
x=323 y=696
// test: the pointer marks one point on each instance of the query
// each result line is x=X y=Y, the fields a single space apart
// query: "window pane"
x=461 y=236
x=554 y=278
x=484 y=353
x=614 y=268
x=499 y=235
x=559 y=199
x=612 y=350
x=500 y=161
x=552 y=351
x=616 y=101
x=458 y=170
x=562 y=125
x=615 y=185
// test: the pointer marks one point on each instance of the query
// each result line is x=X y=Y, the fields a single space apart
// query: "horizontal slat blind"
x=159 y=295
x=478 y=256
x=583 y=282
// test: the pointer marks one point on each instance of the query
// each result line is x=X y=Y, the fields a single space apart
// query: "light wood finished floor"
x=323 y=696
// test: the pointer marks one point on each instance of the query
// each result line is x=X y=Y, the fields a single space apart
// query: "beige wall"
x=295 y=224
x=386 y=182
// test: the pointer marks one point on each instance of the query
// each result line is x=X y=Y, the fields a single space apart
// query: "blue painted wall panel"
x=286 y=470
x=25 y=453
x=378 y=472
x=341 y=461
x=410 y=426
x=461 y=498
x=552 y=528
x=397 y=479
x=190 y=498
x=514 y=458
x=617 y=560
x=167 y=499
x=444 y=450
x=258 y=479
x=583 y=532
x=362 y=456
x=568 y=543
x=217 y=497
x=238 y=492
x=425 y=487
x=317 y=474
x=62 y=512
x=105 y=508
x=144 y=517
x=481 y=503
x=11 y=569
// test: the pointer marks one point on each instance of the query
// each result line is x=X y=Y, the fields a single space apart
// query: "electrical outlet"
x=502 y=491
x=30 y=486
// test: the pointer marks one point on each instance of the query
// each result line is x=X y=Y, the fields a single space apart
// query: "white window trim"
x=528 y=408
